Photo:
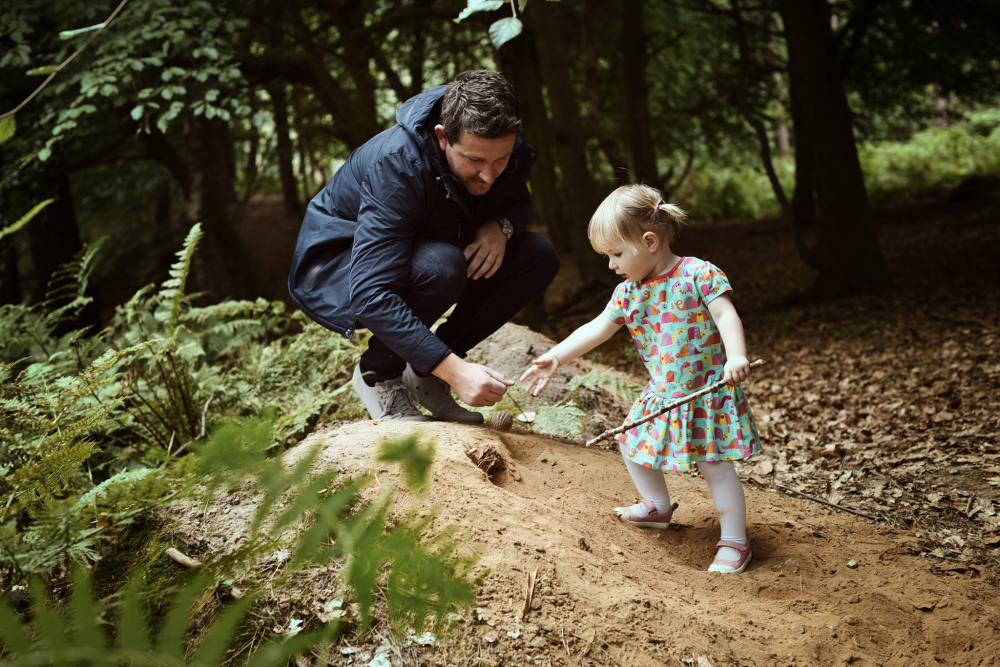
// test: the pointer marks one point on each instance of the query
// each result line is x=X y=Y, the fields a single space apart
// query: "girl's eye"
x=618 y=254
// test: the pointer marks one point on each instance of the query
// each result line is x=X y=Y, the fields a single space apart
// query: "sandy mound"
x=608 y=593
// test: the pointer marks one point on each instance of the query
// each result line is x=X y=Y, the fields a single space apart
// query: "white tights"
x=723 y=483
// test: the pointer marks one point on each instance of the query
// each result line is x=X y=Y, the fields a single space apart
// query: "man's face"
x=476 y=161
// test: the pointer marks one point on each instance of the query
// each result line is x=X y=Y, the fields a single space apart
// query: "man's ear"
x=442 y=139
x=652 y=241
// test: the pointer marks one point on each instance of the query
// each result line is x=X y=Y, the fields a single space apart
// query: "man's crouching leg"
x=529 y=265
x=383 y=378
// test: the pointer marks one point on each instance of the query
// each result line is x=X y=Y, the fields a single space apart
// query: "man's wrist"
x=506 y=226
x=448 y=367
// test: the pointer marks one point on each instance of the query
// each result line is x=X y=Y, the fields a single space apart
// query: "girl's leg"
x=730 y=503
x=650 y=484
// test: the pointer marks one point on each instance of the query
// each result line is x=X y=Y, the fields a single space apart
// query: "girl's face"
x=632 y=261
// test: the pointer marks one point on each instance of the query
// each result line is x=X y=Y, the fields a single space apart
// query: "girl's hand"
x=541 y=372
x=737 y=370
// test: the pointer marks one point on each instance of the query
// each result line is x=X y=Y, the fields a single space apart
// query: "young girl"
x=681 y=318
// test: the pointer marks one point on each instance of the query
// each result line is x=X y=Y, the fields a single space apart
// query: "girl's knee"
x=717 y=469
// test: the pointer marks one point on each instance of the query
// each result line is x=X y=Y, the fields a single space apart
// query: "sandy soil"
x=609 y=593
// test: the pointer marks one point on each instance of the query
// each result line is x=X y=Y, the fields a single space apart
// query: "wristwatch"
x=506 y=226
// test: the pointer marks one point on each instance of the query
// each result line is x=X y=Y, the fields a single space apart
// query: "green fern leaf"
x=132 y=634
x=50 y=626
x=170 y=642
x=560 y=419
x=218 y=637
x=85 y=614
x=275 y=655
x=607 y=381
x=172 y=290
x=12 y=632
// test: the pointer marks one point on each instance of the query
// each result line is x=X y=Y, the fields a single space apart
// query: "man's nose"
x=487 y=174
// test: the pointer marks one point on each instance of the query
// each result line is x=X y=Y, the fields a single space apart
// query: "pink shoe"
x=653 y=519
x=727 y=566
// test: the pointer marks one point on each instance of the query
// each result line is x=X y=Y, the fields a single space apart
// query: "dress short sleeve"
x=711 y=282
x=615 y=310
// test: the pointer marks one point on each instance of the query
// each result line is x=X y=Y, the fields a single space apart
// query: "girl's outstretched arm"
x=581 y=341
x=728 y=320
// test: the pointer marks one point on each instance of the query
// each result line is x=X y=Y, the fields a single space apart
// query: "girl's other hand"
x=737 y=370
x=542 y=370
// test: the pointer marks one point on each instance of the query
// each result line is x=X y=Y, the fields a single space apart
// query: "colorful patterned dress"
x=682 y=349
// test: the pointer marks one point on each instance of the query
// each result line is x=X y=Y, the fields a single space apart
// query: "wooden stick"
x=681 y=401
x=181 y=558
x=835 y=506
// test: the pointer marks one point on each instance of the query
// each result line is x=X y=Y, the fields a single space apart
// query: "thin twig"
x=66 y=62
x=871 y=517
x=681 y=401
x=204 y=413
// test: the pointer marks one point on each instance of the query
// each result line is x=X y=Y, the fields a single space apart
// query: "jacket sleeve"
x=392 y=194
x=517 y=209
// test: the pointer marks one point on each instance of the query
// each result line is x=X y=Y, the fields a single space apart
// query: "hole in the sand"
x=493 y=464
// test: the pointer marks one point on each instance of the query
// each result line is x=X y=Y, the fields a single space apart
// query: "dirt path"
x=608 y=593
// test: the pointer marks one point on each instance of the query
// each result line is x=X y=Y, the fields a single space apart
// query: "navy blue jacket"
x=352 y=259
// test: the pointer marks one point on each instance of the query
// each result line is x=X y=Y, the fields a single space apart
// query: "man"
x=427 y=214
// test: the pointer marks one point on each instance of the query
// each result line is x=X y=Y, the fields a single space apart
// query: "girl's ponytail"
x=671 y=217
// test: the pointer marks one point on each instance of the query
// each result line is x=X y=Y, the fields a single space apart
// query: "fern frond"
x=560 y=419
x=607 y=381
x=172 y=290
x=128 y=477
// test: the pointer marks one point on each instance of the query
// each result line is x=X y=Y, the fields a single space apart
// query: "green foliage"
x=87 y=643
x=422 y=577
x=935 y=161
x=87 y=418
x=563 y=419
x=7 y=128
x=716 y=190
x=607 y=381
x=26 y=218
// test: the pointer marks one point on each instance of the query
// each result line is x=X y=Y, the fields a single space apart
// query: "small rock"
x=853 y=564
x=799 y=629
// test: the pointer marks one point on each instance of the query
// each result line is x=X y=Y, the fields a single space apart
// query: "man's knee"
x=540 y=255
x=438 y=268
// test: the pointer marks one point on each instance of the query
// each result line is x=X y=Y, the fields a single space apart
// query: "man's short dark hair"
x=480 y=102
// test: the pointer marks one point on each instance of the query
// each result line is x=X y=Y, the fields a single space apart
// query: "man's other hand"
x=477 y=385
x=485 y=253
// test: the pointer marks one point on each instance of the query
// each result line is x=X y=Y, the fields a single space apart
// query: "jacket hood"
x=420 y=114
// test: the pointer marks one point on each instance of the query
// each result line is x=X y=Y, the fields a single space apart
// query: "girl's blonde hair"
x=631 y=211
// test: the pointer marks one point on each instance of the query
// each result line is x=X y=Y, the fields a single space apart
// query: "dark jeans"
x=437 y=280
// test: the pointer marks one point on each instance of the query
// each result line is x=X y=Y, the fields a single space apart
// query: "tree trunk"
x=53 y=234
x=223 y=263
x=289 y=187
x=519 y=60
x=803 y=214
x=576 y=183
x=633 y=72
x=54 y=237
x=10 y=279
x=849 y=257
